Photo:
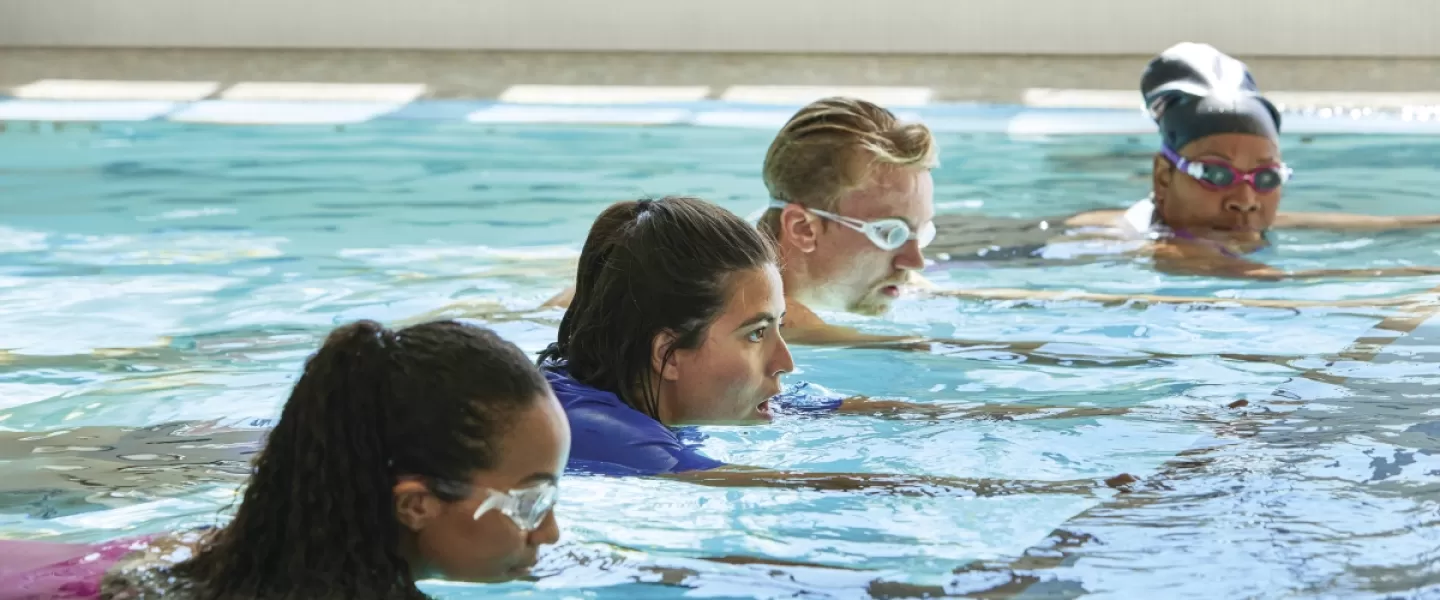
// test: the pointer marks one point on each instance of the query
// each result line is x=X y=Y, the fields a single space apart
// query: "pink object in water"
x=31 y=570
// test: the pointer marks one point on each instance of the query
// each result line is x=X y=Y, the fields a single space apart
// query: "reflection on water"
x=1340 y=494
x=160 y=283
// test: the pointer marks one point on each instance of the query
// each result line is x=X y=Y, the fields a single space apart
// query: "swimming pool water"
x=159 y=272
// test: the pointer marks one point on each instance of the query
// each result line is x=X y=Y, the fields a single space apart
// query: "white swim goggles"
x=887 y=234
x=527 y=506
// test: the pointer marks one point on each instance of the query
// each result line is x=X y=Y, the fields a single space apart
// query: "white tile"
x=765 y=119
x=748 y=119
x=601 y=94
x=1080 y=123
x=283 y=113
x=575 y=115
x=1085 y=98
x=1316 y=124
x=330 y=92
x=83 y=110
x=887 y=97
x=85 y=89
x=975 y=124
x=1062 y=98
x=1302 y=100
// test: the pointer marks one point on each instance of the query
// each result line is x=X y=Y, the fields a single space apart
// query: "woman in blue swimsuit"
x=676 y=321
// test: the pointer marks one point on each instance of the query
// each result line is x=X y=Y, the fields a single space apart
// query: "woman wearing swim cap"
x=676 y=321
x=1216 y=181
x=432 y=451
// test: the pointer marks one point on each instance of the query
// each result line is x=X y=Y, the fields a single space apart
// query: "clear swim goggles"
x=887 y=234
x=527 y=507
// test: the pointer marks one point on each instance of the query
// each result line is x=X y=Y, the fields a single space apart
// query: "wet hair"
x=1194 y=91
x=648 y=267
x=318 y=517
x=831 y=146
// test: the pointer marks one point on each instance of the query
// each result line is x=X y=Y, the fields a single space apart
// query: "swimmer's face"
x=447 y=540
x=850 y=272
x=731 y=375
x=1181 y=202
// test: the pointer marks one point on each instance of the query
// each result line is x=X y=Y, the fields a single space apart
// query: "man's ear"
x=415 y=506
x=799 y=228
x=659 y=361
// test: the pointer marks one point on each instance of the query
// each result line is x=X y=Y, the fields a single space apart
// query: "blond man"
x=851 y=207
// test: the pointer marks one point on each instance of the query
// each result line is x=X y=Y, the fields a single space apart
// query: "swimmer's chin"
x=763 y=413
x=511 y=574
x=875 y=306
x=515 y=573
x=756 y=416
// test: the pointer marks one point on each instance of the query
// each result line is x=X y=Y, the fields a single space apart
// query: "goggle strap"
x=495 y=501
x=871 y=229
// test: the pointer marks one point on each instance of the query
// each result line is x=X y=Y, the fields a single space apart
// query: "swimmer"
x=432 y=451
x=677 y=321
x=852 y=210
x=1217 y=179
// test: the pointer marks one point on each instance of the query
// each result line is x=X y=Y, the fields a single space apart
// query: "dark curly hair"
x=318 y=516
x=650 y=266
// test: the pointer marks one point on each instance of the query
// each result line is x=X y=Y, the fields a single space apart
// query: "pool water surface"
x=159 y=272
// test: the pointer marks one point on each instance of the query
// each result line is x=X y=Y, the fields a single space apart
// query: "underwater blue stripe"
x=949 y=118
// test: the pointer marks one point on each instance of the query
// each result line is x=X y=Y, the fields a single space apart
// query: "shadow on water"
x=66 y=472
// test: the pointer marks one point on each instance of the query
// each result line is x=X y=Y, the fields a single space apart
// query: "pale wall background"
x=1280 y=28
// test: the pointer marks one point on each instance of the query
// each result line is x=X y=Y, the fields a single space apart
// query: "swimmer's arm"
x=1289 y=220
x=619 y=554
x=1141 y=300
x=685 y=578
x=861 y=405
x=825 y=334
x=1191 y=259
x=906 y=485
x=1239 y=268
x=833 y=335
x=1352 y=222
x=1095 y=218
x=561 y=300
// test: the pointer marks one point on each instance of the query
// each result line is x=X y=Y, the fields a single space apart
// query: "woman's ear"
x=1161 y=176
x=415 y=506
x=662 y=361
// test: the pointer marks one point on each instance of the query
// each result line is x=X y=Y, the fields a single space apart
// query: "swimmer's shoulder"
x=1096 y=218
x=561 y=300
x=148 y=572
x=1130 y=222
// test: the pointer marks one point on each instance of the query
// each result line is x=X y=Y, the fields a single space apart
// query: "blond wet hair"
x=833 y=146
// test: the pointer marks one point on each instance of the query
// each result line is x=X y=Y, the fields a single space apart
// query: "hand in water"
x=1124 y=482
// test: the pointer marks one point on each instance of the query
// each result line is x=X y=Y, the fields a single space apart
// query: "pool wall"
x=1333 y=28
